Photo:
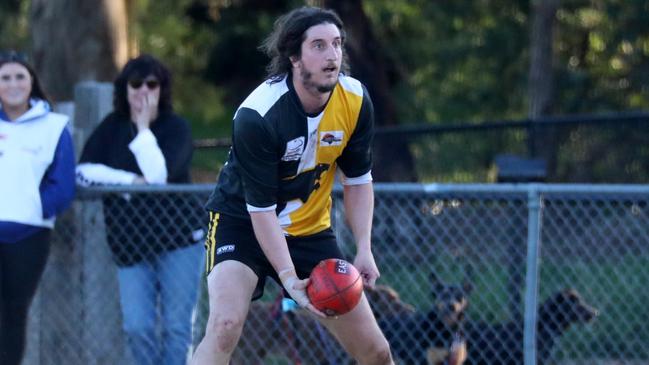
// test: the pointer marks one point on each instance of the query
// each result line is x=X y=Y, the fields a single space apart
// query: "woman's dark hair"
x=288 y=34
x=20 y=58
x=139 y=68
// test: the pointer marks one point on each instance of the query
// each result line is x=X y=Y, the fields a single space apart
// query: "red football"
x=335 y=287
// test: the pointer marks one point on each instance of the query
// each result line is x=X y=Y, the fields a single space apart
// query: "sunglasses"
x=137 y=83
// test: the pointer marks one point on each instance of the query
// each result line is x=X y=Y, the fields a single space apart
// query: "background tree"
x=76 y=40
x=541 y=79
x=432 y=62
x=378 y=71
x=14 y=27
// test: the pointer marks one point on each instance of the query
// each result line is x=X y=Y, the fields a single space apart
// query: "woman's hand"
x=145 y=112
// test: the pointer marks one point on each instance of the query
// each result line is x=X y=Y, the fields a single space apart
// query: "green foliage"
x=14 y=25
x=162 y=29
x=460 y=61
x=456 y=55
x=603 y=56
x=468 y=61
x=211 y=47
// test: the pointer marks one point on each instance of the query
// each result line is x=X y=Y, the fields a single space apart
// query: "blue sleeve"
x=58 y=187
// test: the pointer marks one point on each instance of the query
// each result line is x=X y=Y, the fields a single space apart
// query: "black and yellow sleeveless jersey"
x=285 y=160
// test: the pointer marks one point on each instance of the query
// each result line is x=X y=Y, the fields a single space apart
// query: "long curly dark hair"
x=12 y=56
x=289 y=33
x=141 y=67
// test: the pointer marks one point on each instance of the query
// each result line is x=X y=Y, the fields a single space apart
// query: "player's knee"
x=225 y=331
x=378 y=354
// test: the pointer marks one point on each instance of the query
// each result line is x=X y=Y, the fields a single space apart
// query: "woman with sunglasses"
x=37 y=167
x=153 y=241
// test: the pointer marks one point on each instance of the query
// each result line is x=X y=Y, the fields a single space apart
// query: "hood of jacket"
x=37 y=109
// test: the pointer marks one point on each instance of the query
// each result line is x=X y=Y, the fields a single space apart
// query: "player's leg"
x=360 y=335
x=357 y=330
x=230 y=286
x=239 y=274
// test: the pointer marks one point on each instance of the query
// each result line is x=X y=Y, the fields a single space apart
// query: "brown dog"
x=502 y=343
x=432 y=336
x=298 y=336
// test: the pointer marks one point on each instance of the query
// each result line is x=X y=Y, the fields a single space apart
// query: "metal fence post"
x=103 y=344
x=47 y=326
x=534 y=204
x=93 y=101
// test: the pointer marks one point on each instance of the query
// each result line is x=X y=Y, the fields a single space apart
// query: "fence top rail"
x=422 y=128
x=398 y=188
x=540 y=188
x=153 y=188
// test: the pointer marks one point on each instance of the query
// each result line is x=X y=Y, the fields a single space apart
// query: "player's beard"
x=310 y=84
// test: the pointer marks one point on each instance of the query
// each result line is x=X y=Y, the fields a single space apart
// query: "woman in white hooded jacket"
x=37 y=183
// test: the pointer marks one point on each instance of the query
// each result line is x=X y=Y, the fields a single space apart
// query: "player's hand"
x=296 y=288
x=364 y=263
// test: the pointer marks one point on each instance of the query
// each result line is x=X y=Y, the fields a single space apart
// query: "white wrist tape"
x=284 y=273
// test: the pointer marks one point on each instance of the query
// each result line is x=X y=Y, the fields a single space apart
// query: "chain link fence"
x=479 y=262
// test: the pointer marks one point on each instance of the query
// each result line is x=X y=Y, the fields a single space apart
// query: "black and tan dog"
x=432 y=337
x=503 y=343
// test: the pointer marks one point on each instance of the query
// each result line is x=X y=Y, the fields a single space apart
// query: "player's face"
x=15 y=85
x=322 y=53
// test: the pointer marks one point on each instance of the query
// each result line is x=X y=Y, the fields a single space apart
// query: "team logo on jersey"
x=294 y=149
x=331 y=138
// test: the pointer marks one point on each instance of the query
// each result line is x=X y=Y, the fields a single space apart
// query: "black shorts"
x=232 y=238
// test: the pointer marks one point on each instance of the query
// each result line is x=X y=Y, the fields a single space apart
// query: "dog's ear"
x=467 y=286
x=572 y=294
x=434 y=278
x=390 y=293
x=436 y=284
x=469 y=279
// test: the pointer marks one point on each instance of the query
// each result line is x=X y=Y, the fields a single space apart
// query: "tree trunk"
x=392 y=158
x=541 y=80
x=78 y=40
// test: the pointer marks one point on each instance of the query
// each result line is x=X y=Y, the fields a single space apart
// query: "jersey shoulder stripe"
x=351 y=85
x=264 y=97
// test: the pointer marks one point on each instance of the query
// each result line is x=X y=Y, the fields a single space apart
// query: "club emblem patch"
x=331 y=138
x=294 y=149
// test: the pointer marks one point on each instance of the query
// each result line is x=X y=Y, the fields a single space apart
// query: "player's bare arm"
x=273 y=243
x=359 y=209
